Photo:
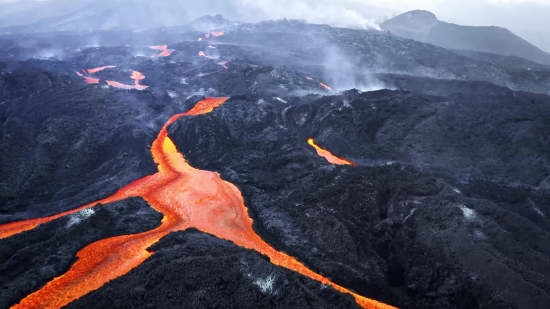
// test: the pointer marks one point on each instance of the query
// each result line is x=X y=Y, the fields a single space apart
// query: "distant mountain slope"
x=425 y=27
x=102 y=15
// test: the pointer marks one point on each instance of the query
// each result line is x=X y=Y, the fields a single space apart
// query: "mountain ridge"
x=424 y=26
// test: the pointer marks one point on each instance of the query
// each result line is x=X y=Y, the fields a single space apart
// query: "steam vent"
x=153 y=159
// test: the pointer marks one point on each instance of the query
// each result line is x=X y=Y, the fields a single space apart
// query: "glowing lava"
x=218 y=33
x=207 y=35
x=187 y=197
x=92 y=71
x=322 y=84
x=89 y=80
x=327 y=155
x=136 y=76
x=165 y=51
x=224 y=64
x=202 y=54
x=326 y=86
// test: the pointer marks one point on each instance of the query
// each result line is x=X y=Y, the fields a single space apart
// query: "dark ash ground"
x=447 y=208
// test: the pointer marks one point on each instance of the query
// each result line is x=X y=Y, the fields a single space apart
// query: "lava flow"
x=327 y=155
x=326 y=86
x=187 y=197
x=202 y=54
x=89 y=80
x=136 y=76
x=92 y=71
x=224 y=64
x=165 y=51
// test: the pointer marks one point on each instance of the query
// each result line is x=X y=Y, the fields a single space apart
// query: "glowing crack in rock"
x=217 y=33
x=210 y=46
x=327 y=155
x=224 y=64
x=188 y=197
x=207 y=35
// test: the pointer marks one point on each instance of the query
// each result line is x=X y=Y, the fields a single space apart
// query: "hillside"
x=425 y=27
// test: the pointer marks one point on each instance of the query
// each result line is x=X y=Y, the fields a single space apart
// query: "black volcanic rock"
x=31 y=259
x=424 y=26
x=412 y=233
x=447 y=207
x=197 y=270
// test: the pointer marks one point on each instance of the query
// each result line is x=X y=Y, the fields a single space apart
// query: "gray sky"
x=527 y=18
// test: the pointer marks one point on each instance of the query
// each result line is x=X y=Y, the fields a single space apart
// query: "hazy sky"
x=527 y=18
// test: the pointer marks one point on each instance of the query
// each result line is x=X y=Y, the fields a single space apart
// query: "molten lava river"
x=187 y=197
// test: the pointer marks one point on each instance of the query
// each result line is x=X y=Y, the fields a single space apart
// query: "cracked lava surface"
x=187 y=197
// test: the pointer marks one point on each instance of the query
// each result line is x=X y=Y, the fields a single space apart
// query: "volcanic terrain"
x=273 y=165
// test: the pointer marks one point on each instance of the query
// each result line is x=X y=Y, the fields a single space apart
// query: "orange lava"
x=202 y=54
x=207 y=35
x=92 y=71
x=124 y=86
x=224 y=64
x=89 y=80
x=326 y=86
x=137 y=76
x=160 y=47
x=187 y=197
x=327 y=155
x=165 y=51
x=200 y=74
x=218 y=33
x=309 y=78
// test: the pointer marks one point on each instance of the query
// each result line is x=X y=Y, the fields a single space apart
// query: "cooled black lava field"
x=446 y=204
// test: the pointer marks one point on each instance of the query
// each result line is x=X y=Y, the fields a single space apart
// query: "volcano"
x=277 y=164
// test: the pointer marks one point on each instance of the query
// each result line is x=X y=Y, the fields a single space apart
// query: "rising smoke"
x=343 y=71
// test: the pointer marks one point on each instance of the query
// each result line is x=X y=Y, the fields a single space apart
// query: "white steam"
x=79 y=216
x=333 y=13
x=344 y=72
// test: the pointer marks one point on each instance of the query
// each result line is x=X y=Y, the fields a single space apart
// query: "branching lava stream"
x=187 y=197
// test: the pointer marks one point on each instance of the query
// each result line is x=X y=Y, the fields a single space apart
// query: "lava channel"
x=187 y=197
x=327 y=155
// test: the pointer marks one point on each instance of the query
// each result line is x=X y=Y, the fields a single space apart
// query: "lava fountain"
x=187 y=197
x=327 y=155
